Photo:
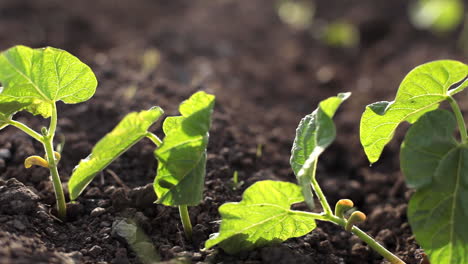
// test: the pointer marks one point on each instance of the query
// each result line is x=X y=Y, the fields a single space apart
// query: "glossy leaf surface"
x=314 y=134
x=182 y=155
x=420 y=91
x=261 y=218
x=41 y=77
x=127 y=133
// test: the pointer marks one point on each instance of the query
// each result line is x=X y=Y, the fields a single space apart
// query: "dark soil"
x=265 y=77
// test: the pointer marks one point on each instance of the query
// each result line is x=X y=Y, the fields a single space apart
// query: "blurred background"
x=281 y=56
x=269 y=62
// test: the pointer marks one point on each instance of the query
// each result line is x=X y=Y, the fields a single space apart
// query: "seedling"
x=341 y=34
x=264 y=215
x=235 y=183
x=181 y=154
x=34 y=80
x=431 y=158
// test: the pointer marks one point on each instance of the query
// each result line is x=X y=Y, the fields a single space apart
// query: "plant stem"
x=369 y=241
x=59 y=196
x=460 y=119
x=27 y=130
x=323 y=200
x=157 y=141
x=53 y=122
x=376 y=246
x=49 y=148
x=185 y=217
x=330 y=217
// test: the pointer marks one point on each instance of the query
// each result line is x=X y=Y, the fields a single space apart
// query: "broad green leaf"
x=425 y=144
x=182 y=155
x=421 y=91
x=127 y=133
x=263 y=217
x=315 y=132
x=40 y=77
x=438 y=212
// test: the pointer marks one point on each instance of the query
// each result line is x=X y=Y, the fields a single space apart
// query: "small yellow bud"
x=57 y=156
x=342 y=206
x=355 y=218
x=35 y=160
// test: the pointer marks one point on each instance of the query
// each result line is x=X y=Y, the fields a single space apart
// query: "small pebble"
x=104 y=203
x=95 y=251
x=176 y=249
x=105 y=224
x=50 y=231
x=197 y=256
x=97 y=211
x=109 y=190
x=5 y=154
x=93 y=192
x=105 y=230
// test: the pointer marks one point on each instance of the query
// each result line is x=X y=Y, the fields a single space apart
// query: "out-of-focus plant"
x=341 y=34
x=436 y=15
x=297 y=14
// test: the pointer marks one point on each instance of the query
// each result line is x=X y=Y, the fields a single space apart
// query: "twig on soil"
x=118 y=180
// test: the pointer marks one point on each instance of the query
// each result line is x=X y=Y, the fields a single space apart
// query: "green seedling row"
x=433 y=158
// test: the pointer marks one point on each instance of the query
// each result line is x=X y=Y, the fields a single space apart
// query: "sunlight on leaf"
x=261 y=218
x=40 y=77
x=127 y=133
x=420 y=91
x=182 y=155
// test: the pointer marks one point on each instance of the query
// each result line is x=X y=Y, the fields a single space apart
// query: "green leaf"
x=438 y=212
x=425 y=144
x=262 y=217
x=40 y=77
x=314 y=134
x=421 y=91
x=7 y=109
x=182 y=155
x=127 y=133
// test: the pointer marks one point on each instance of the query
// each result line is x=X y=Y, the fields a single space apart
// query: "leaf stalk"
x=56 y=182
x=185 y=217
x=323 y=200
x=50 y=154
x=156 y=140
x=27 y=130
x=460 y=119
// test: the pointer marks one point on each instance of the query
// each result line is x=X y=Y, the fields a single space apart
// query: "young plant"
x=181 y=154
x=264 y=215
x=34 y=80
x=431 y=158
